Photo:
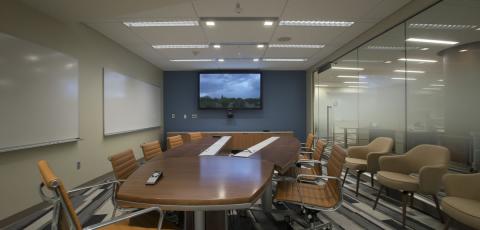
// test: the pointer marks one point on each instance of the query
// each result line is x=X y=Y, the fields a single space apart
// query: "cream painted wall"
x=18 y=173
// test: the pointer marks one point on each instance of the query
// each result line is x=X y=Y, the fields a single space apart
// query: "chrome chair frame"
x=58 y=203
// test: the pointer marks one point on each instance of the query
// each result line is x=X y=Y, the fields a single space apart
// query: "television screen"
x=230 y=90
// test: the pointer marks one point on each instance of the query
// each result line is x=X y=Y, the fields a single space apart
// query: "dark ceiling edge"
x=408 y=11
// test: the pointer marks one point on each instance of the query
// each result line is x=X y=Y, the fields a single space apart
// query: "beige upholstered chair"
x=365 y=158
x=420 y=170
x=314 y=197
x=174 y=141
x=308 y=145
x=64 y=215
x=462 y=202
x=195 y=136
x=151 y=149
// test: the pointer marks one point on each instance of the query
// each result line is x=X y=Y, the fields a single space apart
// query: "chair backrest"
x=381 y=145
x=195 y=136
x=53 y=183
x=334 y=168
x=123 y=164
x=309 y=141
x=151 y=149
x=174 y=141
x=317 y=155
x=427 y=155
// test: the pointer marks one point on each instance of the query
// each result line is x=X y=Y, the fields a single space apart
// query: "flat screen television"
x=230 y=90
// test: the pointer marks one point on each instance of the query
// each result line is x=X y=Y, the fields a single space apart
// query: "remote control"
x=153 y=179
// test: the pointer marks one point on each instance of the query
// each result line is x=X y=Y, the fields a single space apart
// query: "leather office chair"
x=195 y=136
x=151 y=149
x=430 y=162
x=462 y=202
x=365 y=158
x=174 y=141
x=308 y=145
x=308 y=166
x=123 y=164
x=64 y=215
x=314 y=197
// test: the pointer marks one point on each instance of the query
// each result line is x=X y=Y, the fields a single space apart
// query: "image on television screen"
x=230 y=91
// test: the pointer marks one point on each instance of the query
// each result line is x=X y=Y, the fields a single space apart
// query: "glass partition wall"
x=418 y=83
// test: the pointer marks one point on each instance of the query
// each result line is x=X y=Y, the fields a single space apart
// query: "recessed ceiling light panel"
x=284 y=59
x=161 y=23
x=408 y=71
x=431 y=41
x=417 y=60
x=295 y=46
x=347 y=68
x=351 y=76
x=210 y=23
x=428 y=26
x=404 y=78
x=268 y=23
x=180 y=46
x=315 y=23
x=191 y=60
x=379 y=47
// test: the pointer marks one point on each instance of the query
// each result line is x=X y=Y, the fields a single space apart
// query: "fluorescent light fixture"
x=351 y=76
x=347 y=68
x=191 y=60
x=180 y=46
x=430 y=88
x=321 y=85
x=260 y=46
x=357 y=86
x=295 y=46
x=387 y=62
x=221 y=60
x=432 y=41
x=268 y=23
x=355 y=82
x=217 y=46
x=256 y=59
x=404 y=78
x=379 y=47
x=417 y=60
x=408 y=71
x=440 y=80
x=461 y=51
x=161 y=23
x=285 y=59
x=424 y=49
x=361 y=61
x=210 y=23
x=478 y=28
x=315 y=23
x=437 y=85
x=428 y=26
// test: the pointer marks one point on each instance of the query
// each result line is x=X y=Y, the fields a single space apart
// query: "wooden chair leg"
x=378 y=196
x=412 y=198
x=435 y=199
x=345 y=177
x=359 y=173
x=371 y=179
x=447 y=223
x=404 y=207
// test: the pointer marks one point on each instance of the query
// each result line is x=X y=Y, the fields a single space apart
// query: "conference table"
x=197 y=183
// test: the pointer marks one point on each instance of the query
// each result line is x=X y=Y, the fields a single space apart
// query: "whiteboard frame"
x=105 y=134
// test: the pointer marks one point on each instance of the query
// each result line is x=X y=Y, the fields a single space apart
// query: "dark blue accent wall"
x=284 y=105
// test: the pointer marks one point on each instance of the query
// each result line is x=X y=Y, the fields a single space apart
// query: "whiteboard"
x=38 y=95
x=129 y=104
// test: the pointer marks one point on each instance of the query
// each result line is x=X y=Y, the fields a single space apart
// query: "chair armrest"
x=358 y=152
x=96 y=185
x=308 y=153
x=430 y=178
x=306 y=149
x=128 y=216
x=398 y=164
x=304 y=162
x=462 y=185
x=373 y=158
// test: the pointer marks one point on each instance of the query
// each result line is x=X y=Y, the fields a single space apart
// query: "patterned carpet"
x=94 y=205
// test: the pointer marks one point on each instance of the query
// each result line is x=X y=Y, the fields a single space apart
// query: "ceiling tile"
x=249 y=8
x=290 y=52
x=307 y=35
x=238 y=32
x=171 y=35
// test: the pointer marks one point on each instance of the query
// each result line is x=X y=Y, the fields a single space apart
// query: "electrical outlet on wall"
x=194 y=115
x=173 y=116
x=78 y=165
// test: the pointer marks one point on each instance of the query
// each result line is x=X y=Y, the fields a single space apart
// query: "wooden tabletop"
x=199 y=181
x=283 y=153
